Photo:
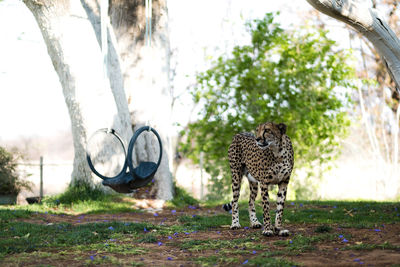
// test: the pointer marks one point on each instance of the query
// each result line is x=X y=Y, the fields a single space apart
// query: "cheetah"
x=266 y=158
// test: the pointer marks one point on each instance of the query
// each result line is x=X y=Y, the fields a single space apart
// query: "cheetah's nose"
x=258 y=139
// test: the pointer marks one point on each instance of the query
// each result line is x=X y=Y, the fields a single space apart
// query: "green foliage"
x=283 y=76
x=10 y=182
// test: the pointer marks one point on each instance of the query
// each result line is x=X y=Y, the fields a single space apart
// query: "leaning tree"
x=136 y=74
x=365 y=19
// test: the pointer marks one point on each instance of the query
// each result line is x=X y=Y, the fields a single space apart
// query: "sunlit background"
x=35 y=119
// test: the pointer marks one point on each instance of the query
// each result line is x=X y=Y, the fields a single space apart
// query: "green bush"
x=10 y=181
x=296 y=77
x=78 y=192
x=182 y=198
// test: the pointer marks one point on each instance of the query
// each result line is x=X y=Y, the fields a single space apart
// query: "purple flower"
x=175 y=234
x=91 y=257
x=245 y=262
x=218 y=232
x=191 y=207
x=254 y=252
x=173 y=211
x=127 y=224
x=111 y=228
x=345 y=240
x=301 y=204
x=291 y=242
x=169 y=237
x=186 y=233
x=340 y=236
x=377 y=230
x=145 y=230
x=357 y=260
x=246 y=228
x=334 y=207
x=292 y=203
x=193 y=215
x=159 y=243
x=169 y=258
x=156 y=214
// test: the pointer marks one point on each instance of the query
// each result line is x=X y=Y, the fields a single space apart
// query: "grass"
x=200 y=245
x=127 y=243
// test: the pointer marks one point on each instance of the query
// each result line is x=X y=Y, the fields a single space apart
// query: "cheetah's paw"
x=268 y=233
x=256 y=225
x=235 y=226
x=283 y=232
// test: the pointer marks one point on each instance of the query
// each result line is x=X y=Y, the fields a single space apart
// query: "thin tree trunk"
x=146 y=72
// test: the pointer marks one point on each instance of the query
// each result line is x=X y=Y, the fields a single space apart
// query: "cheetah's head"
x=270 y=134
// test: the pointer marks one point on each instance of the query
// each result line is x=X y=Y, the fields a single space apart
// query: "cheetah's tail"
x=227 y=206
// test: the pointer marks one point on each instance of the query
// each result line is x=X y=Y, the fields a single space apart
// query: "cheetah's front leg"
x=280 y=203
x=254 y=223
x=268 y=231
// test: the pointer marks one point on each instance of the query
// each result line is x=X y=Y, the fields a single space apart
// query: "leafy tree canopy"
x=293 y=77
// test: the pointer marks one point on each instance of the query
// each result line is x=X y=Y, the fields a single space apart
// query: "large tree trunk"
x=146 y=72
x=361 y=16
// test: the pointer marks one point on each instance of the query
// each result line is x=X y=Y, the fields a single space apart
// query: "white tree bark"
x=76 y=57
x=361 y=16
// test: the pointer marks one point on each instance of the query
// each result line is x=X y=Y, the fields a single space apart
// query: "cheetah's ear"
x=282 y=128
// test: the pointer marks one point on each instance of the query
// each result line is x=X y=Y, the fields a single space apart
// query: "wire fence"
x=47 y=178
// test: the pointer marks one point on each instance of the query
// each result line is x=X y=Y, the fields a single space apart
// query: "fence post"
x=201 y=176
x=41 y=178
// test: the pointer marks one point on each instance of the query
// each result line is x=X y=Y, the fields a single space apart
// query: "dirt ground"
x=327 y=253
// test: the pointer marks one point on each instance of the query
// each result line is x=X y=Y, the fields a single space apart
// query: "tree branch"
x=365 y=19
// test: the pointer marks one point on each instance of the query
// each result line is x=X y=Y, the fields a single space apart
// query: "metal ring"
x=133 y=140
x=89 y=160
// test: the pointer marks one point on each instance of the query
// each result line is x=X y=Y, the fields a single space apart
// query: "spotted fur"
x=264 y=159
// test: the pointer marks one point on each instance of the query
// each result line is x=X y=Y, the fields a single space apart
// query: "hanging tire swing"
x=130 y=177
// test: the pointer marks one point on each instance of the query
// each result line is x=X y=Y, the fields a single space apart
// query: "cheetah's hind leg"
x=254 y=223
x=236 y=183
